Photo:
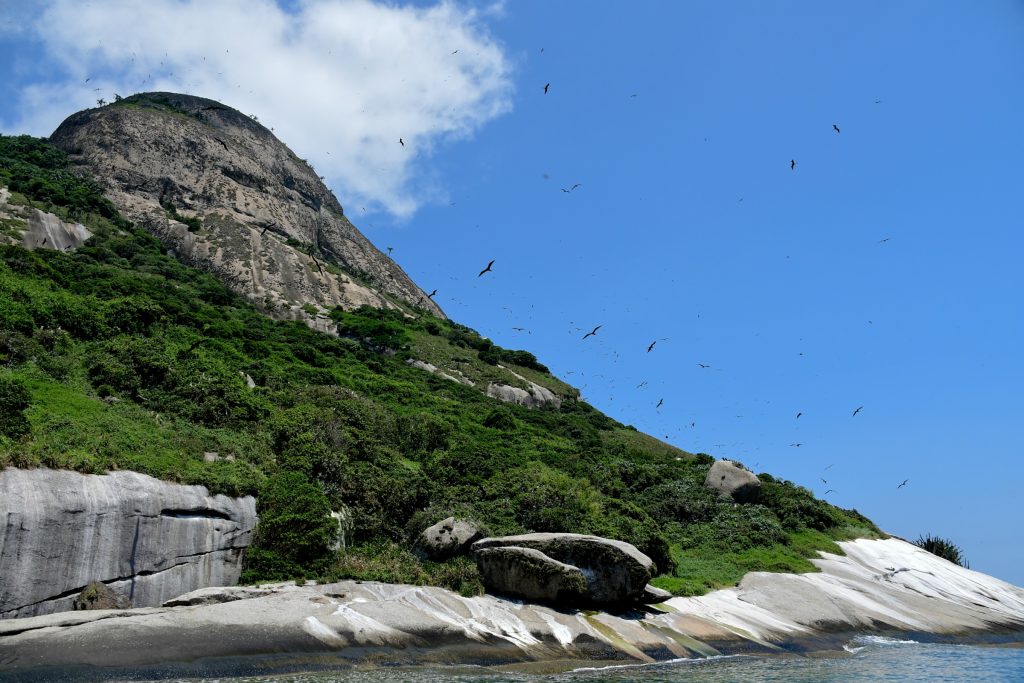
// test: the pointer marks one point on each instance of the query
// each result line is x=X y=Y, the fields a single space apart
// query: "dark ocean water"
x=872 y=660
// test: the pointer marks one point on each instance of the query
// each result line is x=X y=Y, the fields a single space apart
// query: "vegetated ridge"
x=117 y=355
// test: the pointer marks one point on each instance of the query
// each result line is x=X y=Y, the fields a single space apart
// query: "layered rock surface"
x=146 y=539
x=270 y=228
x=889 y=587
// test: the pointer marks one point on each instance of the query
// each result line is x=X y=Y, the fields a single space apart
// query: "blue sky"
x=679 y=121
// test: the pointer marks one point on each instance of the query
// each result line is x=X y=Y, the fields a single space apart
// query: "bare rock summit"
x=227 y=196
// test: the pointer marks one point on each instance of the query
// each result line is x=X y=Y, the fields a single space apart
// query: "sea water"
x=870 y=660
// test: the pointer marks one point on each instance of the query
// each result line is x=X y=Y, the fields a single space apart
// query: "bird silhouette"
x=571 y=188
x=641 y=385
x=401 y=142
x=660 y=402
x=651 y=347
x=798 y=415
x=828 y=492
x=792 y=164
x=857 y=411
x=431 y=295
x=390 y=250
x=835 y=127
x=796 y=445
x=546 y=88
x=904 y=483
x=823 y=480
x=593 y=332
x=885 y=240
x=703 y=365
x=487 y=269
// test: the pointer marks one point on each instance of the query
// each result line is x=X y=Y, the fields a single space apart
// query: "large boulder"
x=144 y=538
x=731 y=480
x=100 y=596
x=448 y=538
x=615 y=571
x=530 y=574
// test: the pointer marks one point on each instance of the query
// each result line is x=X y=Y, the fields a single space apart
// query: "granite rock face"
x=530 y=574
x=145 y=539
x=615 y=571
x=732 y=481
x=270 y=229
x=448 y=538
x=286 y=628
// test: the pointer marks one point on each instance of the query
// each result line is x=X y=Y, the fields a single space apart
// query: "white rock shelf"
x=880 y=586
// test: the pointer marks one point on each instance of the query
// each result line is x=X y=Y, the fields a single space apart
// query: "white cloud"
x=348 y=77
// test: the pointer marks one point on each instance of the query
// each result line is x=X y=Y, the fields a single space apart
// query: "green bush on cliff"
x=14 y=399
x=295 y=530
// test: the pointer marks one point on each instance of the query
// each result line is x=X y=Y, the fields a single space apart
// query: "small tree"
x=943 y=548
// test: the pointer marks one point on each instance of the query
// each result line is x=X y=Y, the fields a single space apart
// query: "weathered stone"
x=530 y=574
x=616 y=572
x=449 y=537
x=653 y=595
x=270 y=227
x=146 y=539
x=732 y=481
x=99 y=596
x=368 y=623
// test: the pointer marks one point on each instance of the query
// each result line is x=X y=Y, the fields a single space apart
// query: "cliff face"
x=146 y=539
x=269 y=227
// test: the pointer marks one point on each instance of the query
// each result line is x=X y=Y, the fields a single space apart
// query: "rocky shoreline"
x=883 y=587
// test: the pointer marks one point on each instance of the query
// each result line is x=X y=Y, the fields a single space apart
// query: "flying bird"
x=651 y=347
x=571 y=188
x=431 y=295
x=703 y=365
x=641 y=385
x=798 y=415
x=389 y=248
x=546 y=88
x=401 y=142
x=904 y=483
x=857 y=411
x=660 y=402
x=835 y=127
x=792 y=164
x=885 y=240
x=593 y=332
x=828 y=492
x=796 y=445
x=488 y=268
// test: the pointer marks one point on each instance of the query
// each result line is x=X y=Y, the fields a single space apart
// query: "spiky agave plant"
x=944 y=548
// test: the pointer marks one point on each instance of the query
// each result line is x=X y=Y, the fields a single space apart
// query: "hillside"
x=116 y=355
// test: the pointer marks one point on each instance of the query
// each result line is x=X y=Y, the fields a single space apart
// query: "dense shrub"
x=14 y=399
x=944 y=548
x=295 y=530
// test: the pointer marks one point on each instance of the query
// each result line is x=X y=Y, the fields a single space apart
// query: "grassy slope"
x=342 y=423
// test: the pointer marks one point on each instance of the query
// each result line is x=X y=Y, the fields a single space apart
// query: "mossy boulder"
x=100 y=596
x=530 y=574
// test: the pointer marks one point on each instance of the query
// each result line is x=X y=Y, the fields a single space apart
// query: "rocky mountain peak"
x=227 y=196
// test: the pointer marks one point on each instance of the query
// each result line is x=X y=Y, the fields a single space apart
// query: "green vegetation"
x=944 y=548
x=117 y=356
x=193 y=223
